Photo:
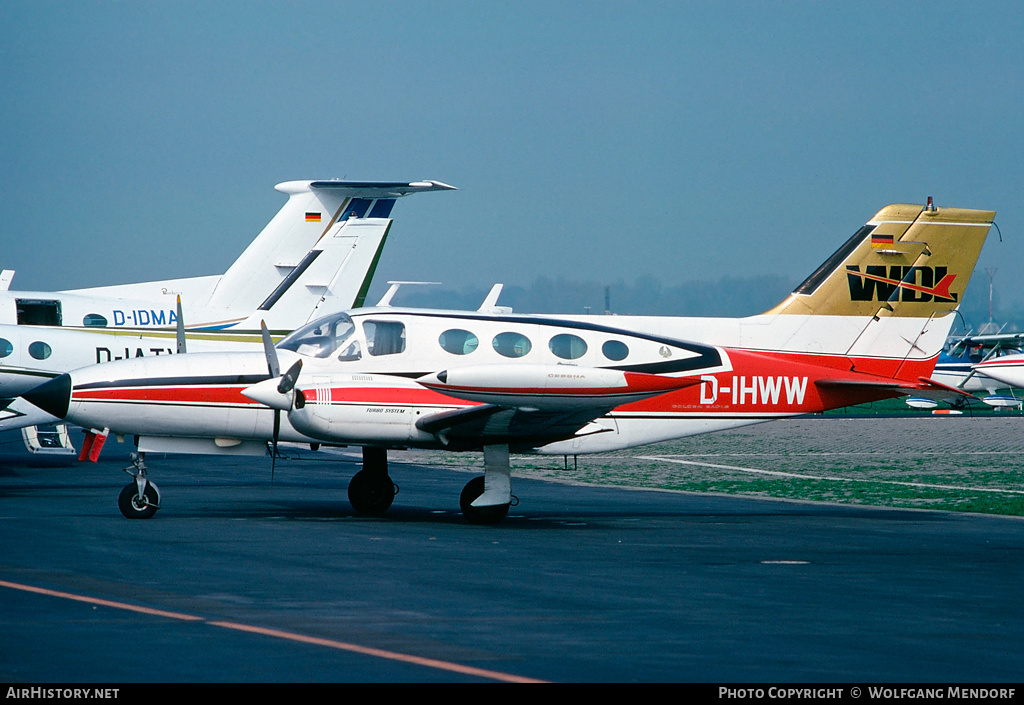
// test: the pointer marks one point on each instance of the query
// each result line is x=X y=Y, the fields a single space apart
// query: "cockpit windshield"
x=321 y=337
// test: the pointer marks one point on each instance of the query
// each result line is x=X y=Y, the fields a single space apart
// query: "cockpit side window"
x=321 y=337
x=350 y=352
x=384 y=337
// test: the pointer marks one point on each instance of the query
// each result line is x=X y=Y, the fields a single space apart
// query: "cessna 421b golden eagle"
x=868 y=324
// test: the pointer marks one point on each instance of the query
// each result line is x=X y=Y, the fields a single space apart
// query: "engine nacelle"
x=550 y=386
x=367 y=409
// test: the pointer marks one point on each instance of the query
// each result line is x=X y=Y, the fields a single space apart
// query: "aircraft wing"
x=990 y=345
x=528 y=406
x=470 y=428
x=989 y=338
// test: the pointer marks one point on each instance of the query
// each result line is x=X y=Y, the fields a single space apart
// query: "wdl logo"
x=882 y=283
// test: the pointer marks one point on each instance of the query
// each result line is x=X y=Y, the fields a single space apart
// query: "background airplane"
x=959 y=366
x=868 y=324
x=317 y=255
x=1007 y=371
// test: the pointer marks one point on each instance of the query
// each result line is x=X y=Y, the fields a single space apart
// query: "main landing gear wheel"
x=134 y=506
x=371 y=493
x=480 y=515
x=371 y=490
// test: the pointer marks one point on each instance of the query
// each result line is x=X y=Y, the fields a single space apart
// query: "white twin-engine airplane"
x=316 y=256
x=868 y=324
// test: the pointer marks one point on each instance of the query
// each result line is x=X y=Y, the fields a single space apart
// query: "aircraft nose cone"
x=53 y=397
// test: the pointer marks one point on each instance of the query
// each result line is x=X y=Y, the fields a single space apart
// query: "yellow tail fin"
x=908 y=260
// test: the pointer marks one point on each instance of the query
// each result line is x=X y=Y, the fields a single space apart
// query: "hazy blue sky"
x=590 y=140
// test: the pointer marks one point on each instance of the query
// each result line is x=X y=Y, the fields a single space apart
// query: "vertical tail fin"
x=890 y=291
x=907 y=261
x=319 y=251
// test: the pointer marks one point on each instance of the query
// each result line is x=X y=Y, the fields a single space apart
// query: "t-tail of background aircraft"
x=318 y=253
x=868 y=324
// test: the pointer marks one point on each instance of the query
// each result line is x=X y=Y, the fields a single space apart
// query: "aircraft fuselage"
x=377 y=376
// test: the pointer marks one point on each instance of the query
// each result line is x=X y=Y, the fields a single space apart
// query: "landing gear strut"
x=485 y=500
x=140 y=498
x=371 y=490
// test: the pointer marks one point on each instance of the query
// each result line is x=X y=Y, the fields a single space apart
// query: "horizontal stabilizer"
x=947 y=391
x=924 y=387
x=377 y=189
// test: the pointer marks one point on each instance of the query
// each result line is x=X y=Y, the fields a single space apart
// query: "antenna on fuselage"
x=179 y=331
x=490 y=304
x=393 y=289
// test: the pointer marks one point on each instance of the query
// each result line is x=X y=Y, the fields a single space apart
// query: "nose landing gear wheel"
x=135 y=507
x=479 y=515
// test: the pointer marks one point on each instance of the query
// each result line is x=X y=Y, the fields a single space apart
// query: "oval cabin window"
x=568 y=347
x=458 y=341
x=511 y=344
x=615 y=350
x=40 y=350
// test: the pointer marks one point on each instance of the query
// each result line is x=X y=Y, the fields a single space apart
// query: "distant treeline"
x=729 y=296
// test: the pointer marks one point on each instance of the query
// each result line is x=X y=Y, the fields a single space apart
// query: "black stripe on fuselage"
x=219 y=380
x=707 y=356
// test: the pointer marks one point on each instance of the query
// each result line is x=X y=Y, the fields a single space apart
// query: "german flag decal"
x=315 y=218
x=876 y=240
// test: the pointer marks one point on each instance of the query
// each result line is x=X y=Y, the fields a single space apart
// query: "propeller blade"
x=273 y=445
x=284 y=387
x=271 y=352
x=289 y=378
